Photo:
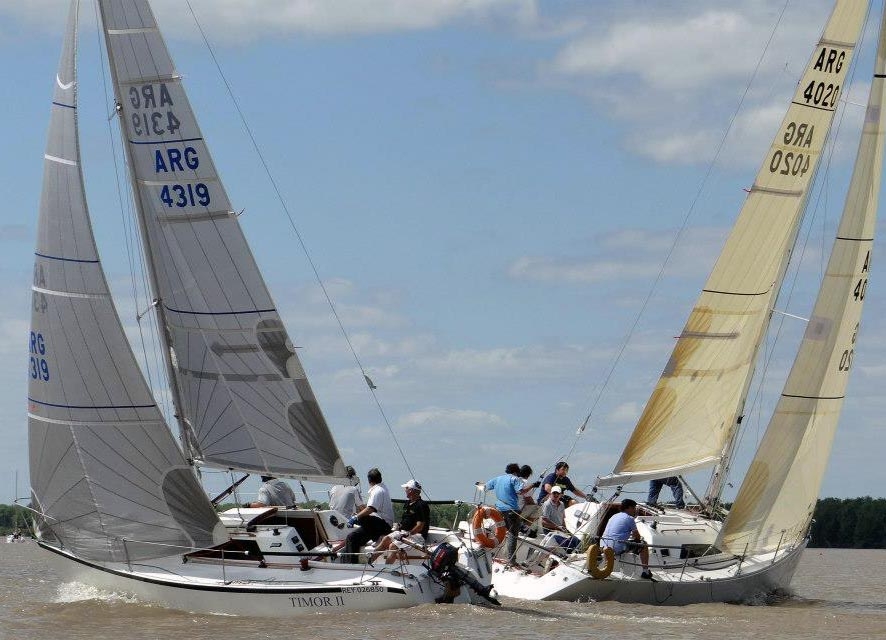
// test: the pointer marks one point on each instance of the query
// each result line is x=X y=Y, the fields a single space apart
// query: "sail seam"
x=124 y=32
x=62 y=104
x=72 y=163
x=70 y=294
x=161 y=183
x=195 y=217
x=219 y=313
x=812 y=106
x=734 y=293
x=165 y=141
x=170 y=77
x=788 y=395
x=855 y=239
x=776 y=192
x=80 y=423
x=78 y=406
x=49 y=257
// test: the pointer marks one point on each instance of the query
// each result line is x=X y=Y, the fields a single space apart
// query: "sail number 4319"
x=185 y=195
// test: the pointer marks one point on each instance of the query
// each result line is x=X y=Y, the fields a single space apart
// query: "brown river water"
x=836 y=594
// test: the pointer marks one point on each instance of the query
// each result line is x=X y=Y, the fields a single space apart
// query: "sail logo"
x=39 y=368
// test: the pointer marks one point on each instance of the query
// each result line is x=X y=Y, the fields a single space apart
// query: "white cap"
x=556 y=489
x=412 y=484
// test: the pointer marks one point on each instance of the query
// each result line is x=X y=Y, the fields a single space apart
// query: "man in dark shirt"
x=413 y=526
x=560 y=478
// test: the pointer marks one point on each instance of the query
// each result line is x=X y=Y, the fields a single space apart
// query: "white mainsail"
x=691 y=416
x=107 y=477
x=243 y=398
x=775 y=503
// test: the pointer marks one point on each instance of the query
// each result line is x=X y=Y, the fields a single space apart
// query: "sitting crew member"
x=375 y=519
x=558 y=477
x=621 y=535
x=553 y=521
x=346 y=498
x=676 y=488
x=273 y=493
x=413 y=526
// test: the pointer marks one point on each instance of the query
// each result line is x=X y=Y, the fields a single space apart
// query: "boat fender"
x=594 y=567
x=479 y=532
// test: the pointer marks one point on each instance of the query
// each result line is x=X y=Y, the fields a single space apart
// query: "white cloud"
x=249 y=20
x=627 y=254
x=532 y=362
x=441 y=417
x=625 y=412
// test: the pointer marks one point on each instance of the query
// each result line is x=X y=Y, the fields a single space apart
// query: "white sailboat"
x=691 y=420
x=117 y=503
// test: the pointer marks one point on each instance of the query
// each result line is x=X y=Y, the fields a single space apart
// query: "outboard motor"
x=443 y=564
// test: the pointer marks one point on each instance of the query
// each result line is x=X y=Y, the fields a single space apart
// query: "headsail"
x=243 y=397
x=107 y=477
x=775 y=503
x=689 y=420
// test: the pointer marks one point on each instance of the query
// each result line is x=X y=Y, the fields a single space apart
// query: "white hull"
x=747 y=581
x=236 y=590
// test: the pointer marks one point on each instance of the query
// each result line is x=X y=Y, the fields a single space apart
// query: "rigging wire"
x=691 y=210
x=299 y=237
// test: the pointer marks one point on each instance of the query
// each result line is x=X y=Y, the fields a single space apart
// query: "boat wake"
x=79 y=592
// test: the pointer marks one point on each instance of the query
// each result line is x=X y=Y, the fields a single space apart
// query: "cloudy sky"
x=488 y=188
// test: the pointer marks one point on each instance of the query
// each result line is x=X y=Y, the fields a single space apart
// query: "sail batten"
x=775 y=503
x=93 y=424
x=242 y=394
x=691 y=416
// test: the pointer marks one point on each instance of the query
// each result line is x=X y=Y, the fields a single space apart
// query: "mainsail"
x=691 y=416
x=242 y=396
x=107 y=478
x=775 y=503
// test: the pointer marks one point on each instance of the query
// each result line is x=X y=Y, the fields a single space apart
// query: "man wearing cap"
x=413 y=527
x=375 y=519
x=621 y=535
x=553 y=514
x=346 y=498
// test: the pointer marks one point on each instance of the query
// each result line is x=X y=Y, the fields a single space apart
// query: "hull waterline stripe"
x=195 y=587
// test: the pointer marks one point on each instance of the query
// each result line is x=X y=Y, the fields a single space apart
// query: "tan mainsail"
x=690 y=417
x=775 y=503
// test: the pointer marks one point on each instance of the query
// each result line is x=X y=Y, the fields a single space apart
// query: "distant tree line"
x=851 y=523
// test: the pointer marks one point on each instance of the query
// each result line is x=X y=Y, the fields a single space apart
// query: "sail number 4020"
x=185 y=195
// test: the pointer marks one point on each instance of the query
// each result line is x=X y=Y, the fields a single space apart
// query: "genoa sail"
x=775 y=503
x=691 y=416
x=107 y=477
x=242 y=396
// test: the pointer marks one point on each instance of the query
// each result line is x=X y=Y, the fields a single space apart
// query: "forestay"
x=107 y=477
x=775 y=503
x=691 y=416
x=243 y=398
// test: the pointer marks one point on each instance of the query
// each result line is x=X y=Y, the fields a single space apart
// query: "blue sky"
x=488 y=189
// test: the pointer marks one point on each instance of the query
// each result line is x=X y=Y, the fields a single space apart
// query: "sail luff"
x=108 y=480
x=245 y=399
x=690 y=416
x=775 y=503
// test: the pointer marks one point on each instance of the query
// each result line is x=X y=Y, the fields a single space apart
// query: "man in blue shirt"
x=507 y=488
x=621 y=535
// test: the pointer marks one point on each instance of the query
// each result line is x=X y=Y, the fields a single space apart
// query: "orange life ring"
x=594 y=567
x=479 y=531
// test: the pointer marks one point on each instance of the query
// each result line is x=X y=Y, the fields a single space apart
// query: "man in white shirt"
x=346 y=498
x=375 y=519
